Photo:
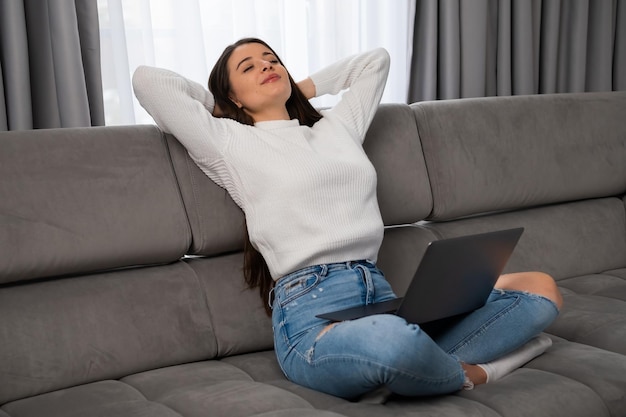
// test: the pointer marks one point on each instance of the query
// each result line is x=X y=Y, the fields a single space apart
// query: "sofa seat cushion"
x=104 y=398
x=600 y=370
x=530 y=392
x=229 y=397
x=594 y=310
x=253 y=384
x=592 y=319
x=495 y=400
x=611 y=284
x=570 y=379
x=222 y=388
x=586 y=381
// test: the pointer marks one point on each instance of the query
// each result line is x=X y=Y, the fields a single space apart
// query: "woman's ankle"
x=475 y=373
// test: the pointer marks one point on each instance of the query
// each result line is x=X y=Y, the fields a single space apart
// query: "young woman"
x=308 y=192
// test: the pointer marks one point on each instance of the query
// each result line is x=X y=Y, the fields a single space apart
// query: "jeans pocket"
x=298 y=287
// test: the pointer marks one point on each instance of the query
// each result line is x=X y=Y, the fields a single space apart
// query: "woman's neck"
x=270 y=114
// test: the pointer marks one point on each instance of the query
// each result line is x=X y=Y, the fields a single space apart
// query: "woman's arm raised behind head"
x=308 y=88
x=181 y=107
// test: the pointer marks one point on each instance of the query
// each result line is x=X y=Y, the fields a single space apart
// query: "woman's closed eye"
x=249 y=67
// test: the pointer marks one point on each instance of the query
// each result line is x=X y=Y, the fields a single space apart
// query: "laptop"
x=454 y=277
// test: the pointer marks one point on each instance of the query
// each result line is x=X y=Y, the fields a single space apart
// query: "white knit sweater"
x=308 y=194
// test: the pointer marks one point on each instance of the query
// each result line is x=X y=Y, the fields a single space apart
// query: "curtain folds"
x=476 y=48
x=49 y=64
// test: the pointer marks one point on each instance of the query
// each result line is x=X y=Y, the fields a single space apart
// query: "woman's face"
x=259 y=83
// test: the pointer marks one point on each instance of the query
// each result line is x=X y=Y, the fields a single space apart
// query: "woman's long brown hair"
x=255 y=270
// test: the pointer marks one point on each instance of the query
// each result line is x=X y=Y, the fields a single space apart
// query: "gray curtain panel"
x=477 y=48
x=49 y=64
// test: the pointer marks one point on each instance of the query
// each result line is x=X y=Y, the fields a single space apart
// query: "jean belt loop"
x=270 y=298
x=369 y=283
x=324 y=270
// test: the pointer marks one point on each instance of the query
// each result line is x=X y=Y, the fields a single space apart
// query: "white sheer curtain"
x=187 y=36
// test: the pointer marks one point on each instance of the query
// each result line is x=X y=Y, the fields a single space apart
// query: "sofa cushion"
x=100 y=399
x=400 y=254
x=222 y=388
x=577 y=243
x=570 y=379
x=581 y=244
x=392 y=145
x=594 y=319
x=601 y=371
x=238 y=318
x=87 y=199
x=73 y=331
x=610 y=284
x=217 y=224
x=529 y=392
x=564 y=240
x=502 y=153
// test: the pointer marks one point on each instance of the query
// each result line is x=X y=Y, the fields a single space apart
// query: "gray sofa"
x=121 y=291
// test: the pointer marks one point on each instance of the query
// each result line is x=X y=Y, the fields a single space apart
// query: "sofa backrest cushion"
x=392 y=145
x=71 y=331
x=86 y=199
x=238 y=319
x=502 y=153
x=217 y=224
x=564 y=240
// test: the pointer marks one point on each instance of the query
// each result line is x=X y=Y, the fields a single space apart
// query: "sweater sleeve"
x=365 y=76
x=183 y=108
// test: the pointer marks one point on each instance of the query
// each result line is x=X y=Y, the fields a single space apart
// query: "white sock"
x=502 y=366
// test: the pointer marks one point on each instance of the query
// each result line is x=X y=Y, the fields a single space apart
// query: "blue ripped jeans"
x=356 y=356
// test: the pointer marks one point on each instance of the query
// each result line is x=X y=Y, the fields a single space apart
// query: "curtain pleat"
x=425 y=52
x=476 y=48
x=15 y=67
x=473 y=48
x=600 y=44
x=572 y=54
x=521 y=21
x=89 y=38
x=619 y=49
x=450 y=59
x=50 y=62
x=4 y=125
